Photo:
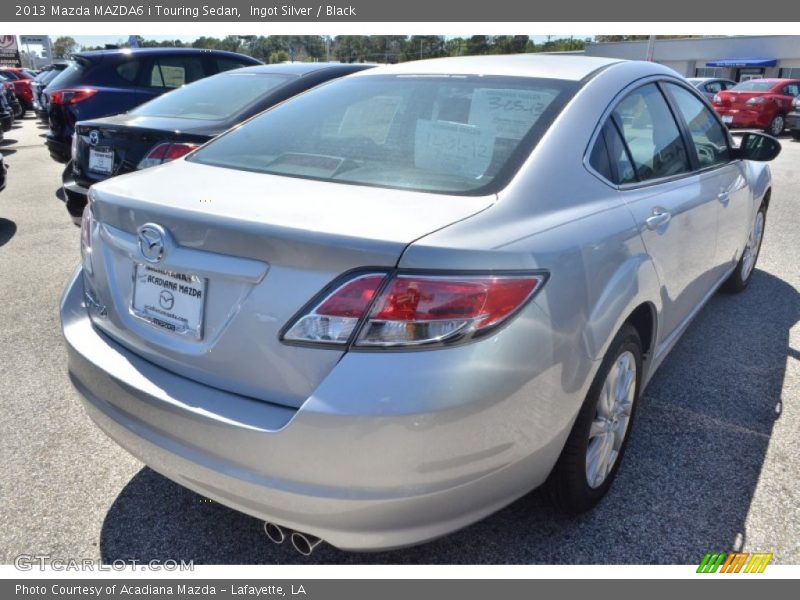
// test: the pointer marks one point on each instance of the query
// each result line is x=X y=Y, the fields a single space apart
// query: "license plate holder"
x=170 y=300
x=101 y=160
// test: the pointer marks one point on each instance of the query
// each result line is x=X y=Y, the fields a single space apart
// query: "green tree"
x=64 y=47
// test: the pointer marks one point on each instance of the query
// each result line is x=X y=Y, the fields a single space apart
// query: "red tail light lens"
x=165 y=152
x=413 y=310
x=63 y=97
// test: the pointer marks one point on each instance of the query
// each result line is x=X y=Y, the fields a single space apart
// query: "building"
x=738 y=57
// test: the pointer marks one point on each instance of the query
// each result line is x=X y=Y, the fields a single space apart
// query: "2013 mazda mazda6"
x=392 y=305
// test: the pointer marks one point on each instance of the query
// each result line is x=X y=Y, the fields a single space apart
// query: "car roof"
x=300 y=68
x=520 y=65
x=145 y=51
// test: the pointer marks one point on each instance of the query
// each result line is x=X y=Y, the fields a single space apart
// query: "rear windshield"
x=445 y=134
x=754 y=86
x=215 y=98
x=72 y=75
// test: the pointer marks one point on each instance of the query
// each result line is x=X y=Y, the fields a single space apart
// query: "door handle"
x=724 y=198
x=660 y=217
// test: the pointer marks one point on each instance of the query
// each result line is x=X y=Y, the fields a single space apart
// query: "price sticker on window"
x=453 y=148
x=509 y=113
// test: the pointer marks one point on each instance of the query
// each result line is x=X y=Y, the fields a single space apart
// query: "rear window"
x=72 y=75
x=445 y=134
x=754 y=85
x=214 y=98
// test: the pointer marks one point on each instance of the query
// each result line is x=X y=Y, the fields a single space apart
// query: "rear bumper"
x=793 y=120
x=743 y=118
x=349 y=466
x=59 y=148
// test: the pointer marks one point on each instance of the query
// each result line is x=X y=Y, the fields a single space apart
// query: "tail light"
x=378 y=310
x=755 y=100
x=71 y=96
x=87 y=222
x=165 y=152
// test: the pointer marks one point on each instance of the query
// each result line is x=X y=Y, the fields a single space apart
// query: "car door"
x=720 y=178
x=677 y=220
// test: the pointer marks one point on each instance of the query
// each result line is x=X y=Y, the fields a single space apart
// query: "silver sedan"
x=392 y=305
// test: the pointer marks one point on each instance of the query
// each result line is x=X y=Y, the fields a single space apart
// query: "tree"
x=64 y=47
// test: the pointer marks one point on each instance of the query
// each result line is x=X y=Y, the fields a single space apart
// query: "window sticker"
x=370 y=118
x=453 y=148
x=510 y=113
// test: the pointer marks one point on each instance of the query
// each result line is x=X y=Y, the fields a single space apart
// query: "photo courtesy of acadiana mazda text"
x=390 y=306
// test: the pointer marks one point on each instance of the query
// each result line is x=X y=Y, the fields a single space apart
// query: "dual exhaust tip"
x=305 y=544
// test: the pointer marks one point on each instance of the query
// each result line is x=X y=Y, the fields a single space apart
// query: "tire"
x=743 y=273
x=19 y=112
x=776 y=126
x=568 y=486
x=796 y=134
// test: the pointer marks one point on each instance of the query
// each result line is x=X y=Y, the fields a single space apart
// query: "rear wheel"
x=19 y=111
x=776 y=126
x=740 y=278
x=595 y=446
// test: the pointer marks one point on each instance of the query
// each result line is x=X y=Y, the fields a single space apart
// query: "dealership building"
x=738 y=58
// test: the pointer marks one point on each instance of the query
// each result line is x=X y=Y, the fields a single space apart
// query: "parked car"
x=758 y=103
x=709 y=86
x=17 y=109
x=3 y=173
x=6 y=112
x=386 y=308
x=176 y=123
x=38 y=86
x=793 y=119
x=21 y=79
x=107 y=82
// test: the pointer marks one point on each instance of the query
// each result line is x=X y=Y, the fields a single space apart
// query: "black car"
x=176 y=123
x=108 y=82
x=17 y=110
x=2 y=174
x=6 y=116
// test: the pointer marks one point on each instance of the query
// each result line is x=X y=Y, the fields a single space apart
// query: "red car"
x=758 y=103
x=22 y=85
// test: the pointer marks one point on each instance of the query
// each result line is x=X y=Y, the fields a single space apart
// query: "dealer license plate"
x=169 y=299
x=727 y=119
x=101 y=160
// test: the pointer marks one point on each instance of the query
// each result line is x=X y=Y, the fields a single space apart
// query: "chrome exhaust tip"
x=274 y=532
x=305 y=544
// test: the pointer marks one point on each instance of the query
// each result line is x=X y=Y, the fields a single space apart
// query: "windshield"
x=754 y=85
x=215 y=98
x=446 y=134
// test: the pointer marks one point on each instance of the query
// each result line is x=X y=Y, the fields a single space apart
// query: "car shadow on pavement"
x=7 y=230
x=694 y=459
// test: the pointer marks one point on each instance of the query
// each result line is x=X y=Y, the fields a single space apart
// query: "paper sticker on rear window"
x=510 y=113
x=453 y=148
x=371 y=118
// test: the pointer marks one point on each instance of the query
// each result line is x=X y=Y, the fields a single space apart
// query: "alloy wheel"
x=753 y=246
x=612 y=416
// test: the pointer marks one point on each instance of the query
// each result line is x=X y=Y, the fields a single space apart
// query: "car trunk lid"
x=264 y=245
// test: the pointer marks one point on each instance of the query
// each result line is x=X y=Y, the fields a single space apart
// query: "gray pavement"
x=713 y=463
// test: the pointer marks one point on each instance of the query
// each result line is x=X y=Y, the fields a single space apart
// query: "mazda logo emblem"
x=94 y=137
x=152 y=242
x=166 y=300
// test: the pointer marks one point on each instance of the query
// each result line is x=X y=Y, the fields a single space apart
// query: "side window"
x=714 y=87
x=610 y=158
x=226 y=64
x=792 y=89
x=651 y=134
x=175 y=71
x=129 y=70
x=709 y=137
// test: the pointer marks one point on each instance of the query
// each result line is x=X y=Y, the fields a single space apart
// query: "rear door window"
x=651 y=134
x=172 y=72
x=609 y=156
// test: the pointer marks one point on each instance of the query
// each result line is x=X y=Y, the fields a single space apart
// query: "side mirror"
x=757 y=146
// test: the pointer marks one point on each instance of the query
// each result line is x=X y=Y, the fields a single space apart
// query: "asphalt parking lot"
x=713 y=463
